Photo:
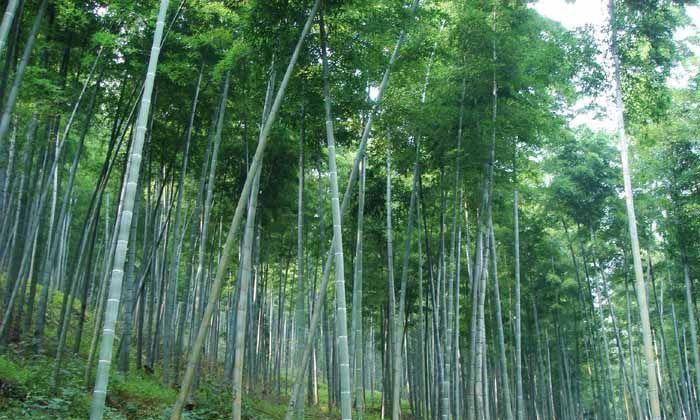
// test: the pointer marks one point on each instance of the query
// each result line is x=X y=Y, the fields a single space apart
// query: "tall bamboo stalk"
x=505 y=379
x=124 y=224
x=241 y=316
x=649 y=354
x=341 y=323
x=300 y=317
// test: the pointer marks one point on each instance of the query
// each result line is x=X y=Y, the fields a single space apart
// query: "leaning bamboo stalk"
x=35 y=222
x=222 y=269
x=7 y=20
x=11 y=100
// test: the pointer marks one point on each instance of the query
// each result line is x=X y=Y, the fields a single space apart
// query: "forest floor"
x=25 y=393
x=26 y=390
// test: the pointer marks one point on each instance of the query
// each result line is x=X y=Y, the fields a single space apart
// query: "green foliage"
x=139 y=395
x=24 y=390
x=584 y=176
x=13 y=380
x=104 y=39
x=648 y=52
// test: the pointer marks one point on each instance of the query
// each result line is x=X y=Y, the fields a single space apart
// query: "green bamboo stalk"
x=505 y=385
x=358 y=341
x=11 y=101
x=393 y=326
x=400 y=317
x=300 y=316
x=649 y=354
x=175 y=261
x=243 y=298
x=7 y=20
x=341 y=323
x=124 y=224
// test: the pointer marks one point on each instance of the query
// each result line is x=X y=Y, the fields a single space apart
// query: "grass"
x=25 y=387
x=25 y=394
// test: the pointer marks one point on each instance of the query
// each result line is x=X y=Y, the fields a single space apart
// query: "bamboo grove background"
x=378 y=207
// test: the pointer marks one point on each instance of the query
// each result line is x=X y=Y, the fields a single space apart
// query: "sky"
x=571 y=15
x=594 y=12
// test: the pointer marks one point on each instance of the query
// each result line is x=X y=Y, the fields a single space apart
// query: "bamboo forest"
x=350 y=209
